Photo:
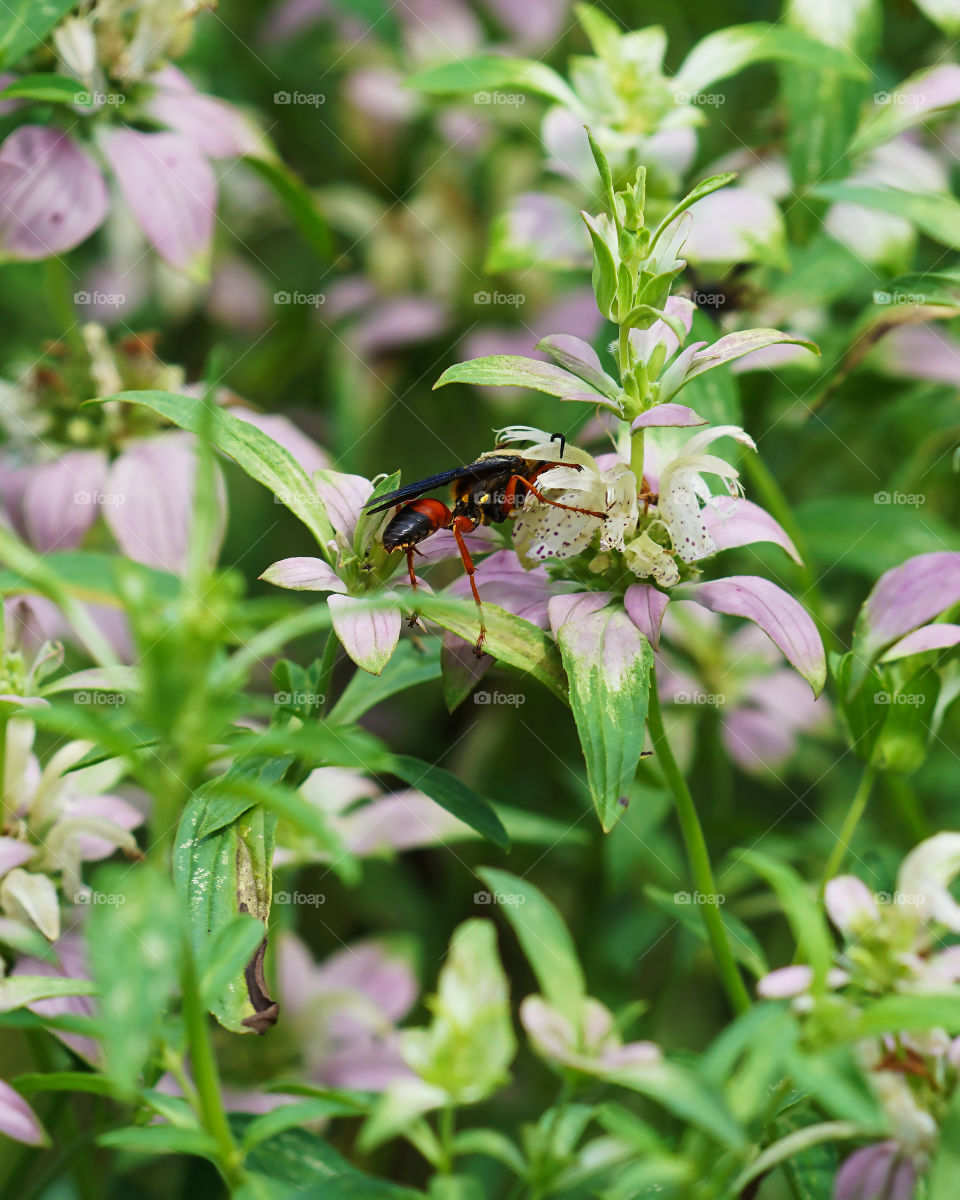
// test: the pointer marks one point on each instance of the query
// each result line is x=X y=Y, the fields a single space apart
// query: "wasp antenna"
x=559 y=437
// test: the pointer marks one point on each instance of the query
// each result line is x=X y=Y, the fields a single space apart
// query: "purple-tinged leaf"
x=574 y=607
x=52 y=194
x=511 y=370
x=304 y=575
x=733 y=521
x=928 y=637
x=285 y=433
x=664 y=416
x=370 y=638
x=608 y=663
x=172 y=192
x=904 y=598
x=576 y=355
x=784 y=620
x=645 y=607
x=736 y=345
x=18 y=1120
x=148 y=501
x=343 y=497
x=61 y=499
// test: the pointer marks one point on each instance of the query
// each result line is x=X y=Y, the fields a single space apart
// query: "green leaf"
x=54 y=89
x=801 y=909
x=65 y=1081
x=682 y=1093
x=221 y=875
x=230 y=949
x=608 y=663
x=296 y=197
x=260 y=456
x=17 y=991
x=899 y=112
x=451 y=794
x=893 y=1013
x=513 y=370
x=485 y=73
x=937 y=214
x=945 y=1168
x=510 y=639
x=134 y=941
x=24 y=23
x=703 y=188
x=793 y=1144
x=292 y=1116
x=727 y=51
x=746 y=949
x=161 y=1139
x=411 y=665
x=545 y=939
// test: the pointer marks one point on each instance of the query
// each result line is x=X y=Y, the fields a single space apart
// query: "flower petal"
x=212 y=125
x=18 y=1120
x=13 y=853
x=927 y=871
x=33 y=897
x=52 y=195
x=304 y=575
x=850 y=904
x=60 y=501
x=736 y=345
x=285 y=433
x=733 y=521
x=645 y=607
x=663 y=416
x=343 y=496
x=149 y=501
x=785 y=982
x=172 y=191
x=927 y=637
x=906 y=597
x=784 y=620
x=402 y=821
x=575 y=607
x=370 y=638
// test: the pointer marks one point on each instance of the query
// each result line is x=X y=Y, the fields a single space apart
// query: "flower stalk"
x=698 y=858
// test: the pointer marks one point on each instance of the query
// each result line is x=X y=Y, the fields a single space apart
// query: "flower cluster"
x=893 y=945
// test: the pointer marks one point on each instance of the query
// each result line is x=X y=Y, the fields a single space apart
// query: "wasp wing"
x=483 y=468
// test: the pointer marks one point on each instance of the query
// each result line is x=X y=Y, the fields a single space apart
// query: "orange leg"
x=460 y=526
x=532 y=487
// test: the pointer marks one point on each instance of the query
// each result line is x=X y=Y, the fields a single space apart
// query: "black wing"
x=483 y=468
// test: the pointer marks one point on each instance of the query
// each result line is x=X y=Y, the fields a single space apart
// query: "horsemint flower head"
x=53 y=187
x=892 y=945
x=56 y=815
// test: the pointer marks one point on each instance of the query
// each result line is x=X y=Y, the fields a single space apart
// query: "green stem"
x=636 y=456
x=445 y=1132
x=698 y=858
x=206 y=1077
x=328 y=660
x=60 y=297
x=851 y=821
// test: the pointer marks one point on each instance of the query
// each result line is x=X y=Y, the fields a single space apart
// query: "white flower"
x=682 y=488
x=645 y=557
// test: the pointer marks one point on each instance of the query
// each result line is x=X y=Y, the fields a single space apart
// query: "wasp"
x=486 y=492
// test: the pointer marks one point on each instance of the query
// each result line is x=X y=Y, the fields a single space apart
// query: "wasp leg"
x=460 y=526
x=414 y=619
x=532 y=487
